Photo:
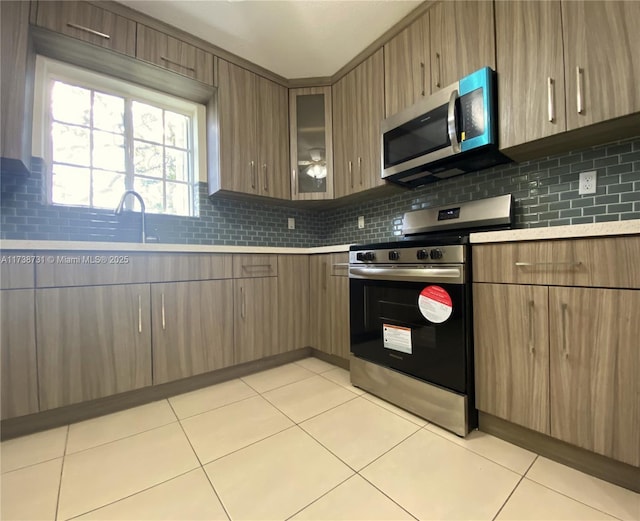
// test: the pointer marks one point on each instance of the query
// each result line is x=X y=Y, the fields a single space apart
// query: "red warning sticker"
x=435 y=304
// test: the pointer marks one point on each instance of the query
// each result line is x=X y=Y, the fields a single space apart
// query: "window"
x=101 y=136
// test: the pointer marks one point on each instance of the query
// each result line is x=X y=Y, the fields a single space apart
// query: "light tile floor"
x=294 y=442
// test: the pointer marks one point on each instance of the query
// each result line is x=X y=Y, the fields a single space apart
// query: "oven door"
x=417 y=327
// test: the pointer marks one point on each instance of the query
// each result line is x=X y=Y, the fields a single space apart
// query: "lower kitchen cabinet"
x=512 y=353
x=293 y=302
x=18 y=346
x=329 y=303
x=595 y=363
x=93 y=342
x=192 y=328
x=255 y=318
x=554 y=356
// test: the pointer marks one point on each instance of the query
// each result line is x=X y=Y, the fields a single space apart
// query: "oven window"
x=389 y=328
x=417 y=137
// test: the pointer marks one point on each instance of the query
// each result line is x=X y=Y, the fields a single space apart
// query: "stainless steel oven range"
x=411 y=316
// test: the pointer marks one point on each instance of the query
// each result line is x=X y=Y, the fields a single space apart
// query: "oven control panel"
x=454 y=254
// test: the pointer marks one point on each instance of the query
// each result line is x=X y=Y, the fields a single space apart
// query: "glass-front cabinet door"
x=311 y=143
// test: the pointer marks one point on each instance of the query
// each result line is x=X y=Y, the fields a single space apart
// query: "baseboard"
x=14 y=427
x=616 y=472
x=331 y=359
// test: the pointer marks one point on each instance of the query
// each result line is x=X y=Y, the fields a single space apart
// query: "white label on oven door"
x=397 y=338
x=435 y=304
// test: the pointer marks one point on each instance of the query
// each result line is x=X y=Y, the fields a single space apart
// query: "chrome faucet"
x=120 y=207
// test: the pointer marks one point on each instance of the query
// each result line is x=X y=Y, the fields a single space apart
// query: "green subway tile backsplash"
x=545 y=193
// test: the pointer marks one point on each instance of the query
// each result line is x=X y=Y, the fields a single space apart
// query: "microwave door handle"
x=451 y=123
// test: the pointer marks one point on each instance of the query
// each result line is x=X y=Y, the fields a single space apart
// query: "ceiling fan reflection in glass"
x=317 y=167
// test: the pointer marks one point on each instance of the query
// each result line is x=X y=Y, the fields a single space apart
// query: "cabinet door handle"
x=351 y=173
x=530 y=264
x=423 y=77
x=438 y=81
x=565 y=347
x=266 y=177
x=171 y=62
x=579 y=98
x=551 y=99
x=139 y=313
x=295 y=181
x=360 y=170
x=252 y=172
x=164 y=324
x=531 y=328
x=88 y=30
x=243 y=304
x=247 y=266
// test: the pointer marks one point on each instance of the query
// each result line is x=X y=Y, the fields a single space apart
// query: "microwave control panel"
x=472 y=114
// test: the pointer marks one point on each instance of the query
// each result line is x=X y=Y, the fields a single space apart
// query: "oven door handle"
x=451 y=274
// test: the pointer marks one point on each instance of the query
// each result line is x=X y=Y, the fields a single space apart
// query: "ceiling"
x=293 y=38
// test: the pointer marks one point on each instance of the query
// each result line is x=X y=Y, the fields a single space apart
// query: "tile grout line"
x=388 y=496
x=562 y=493
x=482 y=455
x=319 y=497
x=514 y=489
x=573 y=498
x=278 y=386
x=64 y=457
x=200 y=463
x=217 y=408
x=132 y=494
x=123 y=437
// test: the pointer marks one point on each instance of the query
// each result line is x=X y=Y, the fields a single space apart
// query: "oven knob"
x=369 y=256
x=394 y=255
x=436 y=254
x=360 y=256
x=422 y=254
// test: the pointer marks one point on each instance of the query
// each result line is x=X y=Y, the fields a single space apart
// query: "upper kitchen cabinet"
x=563 y=66
x=602 y=63
x=89 y=23
x=407 y=67
x=311 y=144
x=16 y=88
x=173 y=54
x=358 y=110
x=462 y=40
x=530 y=71
x=253 y=133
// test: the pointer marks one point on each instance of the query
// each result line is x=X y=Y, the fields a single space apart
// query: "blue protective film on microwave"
x=481 y=79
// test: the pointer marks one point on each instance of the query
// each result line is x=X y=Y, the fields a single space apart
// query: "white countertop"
x=559 y=232
x=160 y=247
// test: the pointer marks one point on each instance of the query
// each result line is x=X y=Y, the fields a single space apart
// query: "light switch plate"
x=588 y=183
x=291 y=223
x=361 y=222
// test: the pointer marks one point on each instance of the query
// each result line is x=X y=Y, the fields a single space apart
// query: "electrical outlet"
x=361 y=222
x=587 y=183
x=291 y=223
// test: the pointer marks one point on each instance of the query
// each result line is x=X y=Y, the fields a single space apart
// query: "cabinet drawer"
x=17 y=269
x=89 y=23
x=249 y=266
x=167 y=267
x=602 y=262
x=71 y=268
x=340 y=264
x=173 y=54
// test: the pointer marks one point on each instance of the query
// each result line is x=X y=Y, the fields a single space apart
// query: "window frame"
x=48 y=70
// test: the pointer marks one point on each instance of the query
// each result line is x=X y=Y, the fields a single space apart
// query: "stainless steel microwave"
x=448 y=133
